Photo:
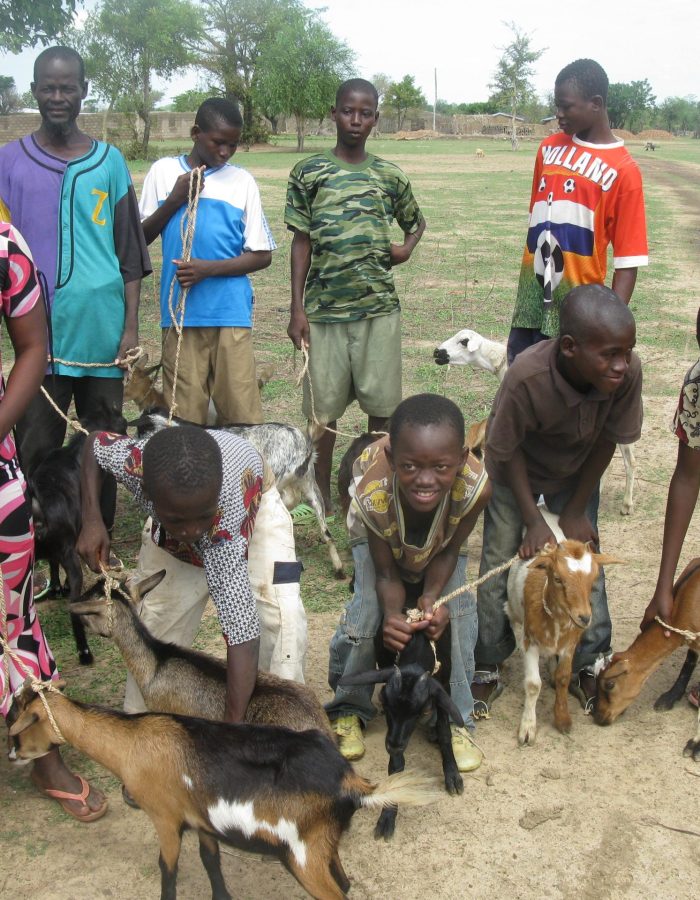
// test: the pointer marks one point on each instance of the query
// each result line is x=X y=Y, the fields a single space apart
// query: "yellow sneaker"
x=350 y=742
x=467 y=754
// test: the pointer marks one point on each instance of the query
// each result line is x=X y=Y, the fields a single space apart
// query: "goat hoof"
x=454 y=784
x=526 y=736
x=339 y=574
x=626 y=509
x=86 y=658
x=386 y=825
x=564 y=726
x=664 y=703
x=692 y=749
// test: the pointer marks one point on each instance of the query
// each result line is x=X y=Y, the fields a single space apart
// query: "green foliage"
x=512 y=81
x=630 y=105
x=257 y=133
x=679 y=114
x=10 y=100
x=126 y=42
x=190 y=101
x=26 y=23
x=402 y=96
x=229 y=47
x=299 y=70
x=28 y=100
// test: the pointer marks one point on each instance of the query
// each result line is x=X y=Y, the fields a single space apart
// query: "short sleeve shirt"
x=686 y=421
x=223 y=550
x=584 y=198
x=19 y=294
x=347 y=211
x=555 y=426
x=230 y=221
x=376 y=506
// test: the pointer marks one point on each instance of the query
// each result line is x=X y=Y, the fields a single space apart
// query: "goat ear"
x=443 y=700
x=542 y=561
x=474 y=344
x=139 y=589
x=619 y=663
x=606 y=559
x=25 y=720
x=375 y=676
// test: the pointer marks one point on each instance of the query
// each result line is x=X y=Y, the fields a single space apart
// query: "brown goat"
x=141 y=386
x=258 y=787
x=623 y=678
x=549 y=606
x=175 y=679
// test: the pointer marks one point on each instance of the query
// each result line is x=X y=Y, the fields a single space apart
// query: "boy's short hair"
x=68 y=54
x=592 y=308
x=423 y=410
x=184 y=459
x=589 y=77
x=215 y=110
x=360 y=85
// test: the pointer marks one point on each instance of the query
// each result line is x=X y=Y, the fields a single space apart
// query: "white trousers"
x=173 y=610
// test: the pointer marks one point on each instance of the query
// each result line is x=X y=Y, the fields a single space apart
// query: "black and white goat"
x=260 y=788
x=289 y=453
x=469 y=348
x=410 y=690
x=54 y=488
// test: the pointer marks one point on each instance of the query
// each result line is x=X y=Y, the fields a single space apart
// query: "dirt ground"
x=583 y=816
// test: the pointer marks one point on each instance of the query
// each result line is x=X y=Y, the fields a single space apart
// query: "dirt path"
x=573 y=817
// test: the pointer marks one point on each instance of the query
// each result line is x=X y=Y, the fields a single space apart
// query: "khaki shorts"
x=217 y=363
x=354 y=361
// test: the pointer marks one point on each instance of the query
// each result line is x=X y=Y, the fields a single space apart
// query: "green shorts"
x=354 y=361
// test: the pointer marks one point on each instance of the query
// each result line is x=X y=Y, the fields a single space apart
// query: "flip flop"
x=64 y=797
x=303 y=514
x=694 y=696
x=576 y=690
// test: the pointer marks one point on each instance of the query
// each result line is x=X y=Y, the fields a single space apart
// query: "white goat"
x=469 y=348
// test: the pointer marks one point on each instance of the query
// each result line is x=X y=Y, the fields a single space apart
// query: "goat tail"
x=405 y=788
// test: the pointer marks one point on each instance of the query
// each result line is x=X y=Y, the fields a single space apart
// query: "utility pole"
x=435 y=100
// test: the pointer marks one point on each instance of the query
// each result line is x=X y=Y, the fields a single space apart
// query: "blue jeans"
x=352 y=645
x=503 y=526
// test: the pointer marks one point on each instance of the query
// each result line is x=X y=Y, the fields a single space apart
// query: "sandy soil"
x=584 y=816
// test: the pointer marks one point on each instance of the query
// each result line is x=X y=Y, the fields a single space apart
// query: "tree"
x=26 y=23
x=512 y=81
x=128 y=42
x=679 y=114
x=402 y=96
x=630 y=105
x=299 y=69
x=10 y=100
x=230 y=45
x=190 y=101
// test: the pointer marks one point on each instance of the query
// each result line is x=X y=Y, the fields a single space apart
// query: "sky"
x=653 y=39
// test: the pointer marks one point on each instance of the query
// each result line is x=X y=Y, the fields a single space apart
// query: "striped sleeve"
x=18 y=276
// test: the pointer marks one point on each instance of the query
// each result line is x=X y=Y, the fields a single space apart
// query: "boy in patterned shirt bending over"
x=204 y=492
x=345 y=309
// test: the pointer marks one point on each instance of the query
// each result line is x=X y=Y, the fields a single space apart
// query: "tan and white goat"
x=469 y=348
x=623 y=678
x=259 y=788
x=549 y=607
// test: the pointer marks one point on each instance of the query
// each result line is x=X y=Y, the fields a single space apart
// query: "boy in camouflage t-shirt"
x=340 y=206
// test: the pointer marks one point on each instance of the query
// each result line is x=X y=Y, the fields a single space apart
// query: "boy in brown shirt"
x=556 y=418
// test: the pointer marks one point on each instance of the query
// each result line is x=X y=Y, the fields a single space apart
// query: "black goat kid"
x=54 y=489
x=410 y=690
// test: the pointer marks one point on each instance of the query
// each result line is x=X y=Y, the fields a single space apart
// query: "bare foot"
x=51 y=773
